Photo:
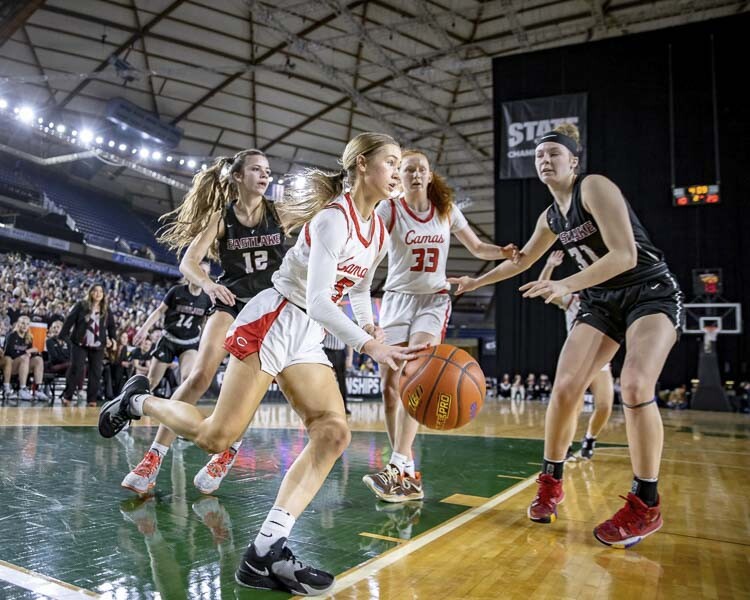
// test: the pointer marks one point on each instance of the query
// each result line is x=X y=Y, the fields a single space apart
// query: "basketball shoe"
x=587 y=448
x=543 y=508
x=280 y=570
x=570 y=455
x=386 y=484
x=209 y=478
x=143 y=478
x=633 y=522
x=116 y=413
x=411 y=487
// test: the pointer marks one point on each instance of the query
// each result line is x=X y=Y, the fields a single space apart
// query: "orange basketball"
x=443 y=388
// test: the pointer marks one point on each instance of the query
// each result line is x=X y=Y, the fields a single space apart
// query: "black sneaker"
x=116 y=414
x=587 y=448
x=280 y=570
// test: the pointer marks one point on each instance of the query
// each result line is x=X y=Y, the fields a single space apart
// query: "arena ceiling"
x=298 y=79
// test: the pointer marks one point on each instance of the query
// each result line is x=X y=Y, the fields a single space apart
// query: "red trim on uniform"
x=414 y=216
x=248 y=338
x=445 y=323
x=365 y=242
x=307 y=233
x=393 y=215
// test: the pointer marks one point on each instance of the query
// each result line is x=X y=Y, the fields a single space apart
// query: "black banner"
x=523 y=121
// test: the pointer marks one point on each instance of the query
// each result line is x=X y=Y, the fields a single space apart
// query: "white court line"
x=387 y=559
x=41 y=584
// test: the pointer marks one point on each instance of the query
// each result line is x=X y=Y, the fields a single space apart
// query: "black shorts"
x=613 y=311
x=219 y=306
x=166 y=350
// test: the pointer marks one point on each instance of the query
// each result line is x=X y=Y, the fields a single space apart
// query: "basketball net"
x=710 y=333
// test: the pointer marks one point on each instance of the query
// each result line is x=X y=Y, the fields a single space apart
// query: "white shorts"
x=403 y=315
x=281 y=333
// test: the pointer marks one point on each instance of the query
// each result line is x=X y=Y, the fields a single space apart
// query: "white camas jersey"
x=336 y=253
x=419 y=248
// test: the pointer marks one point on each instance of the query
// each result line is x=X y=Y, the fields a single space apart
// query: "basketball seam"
x=423 y=367
x=447 y=361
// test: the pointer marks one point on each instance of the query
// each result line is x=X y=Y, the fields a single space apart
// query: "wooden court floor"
x=67 y=530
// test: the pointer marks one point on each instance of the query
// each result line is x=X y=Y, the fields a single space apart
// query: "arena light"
x=51 y=125
x=191 y=163
x=144 y=153
x=40 y=120
x=122 y=147
x=26 y=114
x=3 y=104
x=134 y=150
x=99 y=139
x=74 y=133
x=111 y=143
x=204 y=166
x=86 y=136
x=182 y=161
x=270 y=180
x=169 y=158
x=156 y=155
x=61 y=128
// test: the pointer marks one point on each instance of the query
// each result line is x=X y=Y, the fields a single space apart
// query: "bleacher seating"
x=99 y=216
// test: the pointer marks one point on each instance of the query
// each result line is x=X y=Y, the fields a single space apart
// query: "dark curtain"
x=627 y=80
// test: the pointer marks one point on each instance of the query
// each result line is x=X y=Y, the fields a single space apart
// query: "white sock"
x=136 y=403
x=6 y=387
x=236 y=446
x=278 y=524
x=409 y=469
x=399 y=460
x=160 y=449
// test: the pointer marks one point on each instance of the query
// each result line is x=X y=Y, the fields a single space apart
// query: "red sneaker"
x=631 y=523
x=550 y=493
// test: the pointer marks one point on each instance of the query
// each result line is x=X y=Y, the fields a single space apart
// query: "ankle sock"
x=646 y=490
x=278 y=524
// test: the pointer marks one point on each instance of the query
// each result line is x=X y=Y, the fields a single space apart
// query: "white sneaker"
x=40 y=395
x=25 y=394
x=209 y=478
x=143 y=478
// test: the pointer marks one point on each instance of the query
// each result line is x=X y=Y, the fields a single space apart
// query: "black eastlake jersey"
x=579 y=234
x=250 y=255
x=185 y=312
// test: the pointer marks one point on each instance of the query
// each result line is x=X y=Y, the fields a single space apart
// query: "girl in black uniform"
x=225 y=216
x=184 y=309
x=627 y=295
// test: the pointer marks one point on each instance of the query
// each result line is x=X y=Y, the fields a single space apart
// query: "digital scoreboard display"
x=694 y=195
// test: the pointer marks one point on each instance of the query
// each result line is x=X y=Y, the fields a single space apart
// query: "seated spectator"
x=677 y=398
x=367 y=367
x=141 y=357
x=58 y=350
x=517 y=388
x=20 y=357
x=503 y=388
x=532 y=388
x=122 y=366
x=545 y=387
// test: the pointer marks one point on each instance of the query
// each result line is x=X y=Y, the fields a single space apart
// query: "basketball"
x=443 y=388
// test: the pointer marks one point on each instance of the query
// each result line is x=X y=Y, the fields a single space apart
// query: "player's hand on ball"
x=465 y=284
x=393 y=356
x=547 y=288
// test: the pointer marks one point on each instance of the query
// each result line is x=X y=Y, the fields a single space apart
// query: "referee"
x=340 y=356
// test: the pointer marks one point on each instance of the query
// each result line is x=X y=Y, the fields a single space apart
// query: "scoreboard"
x=694 y=195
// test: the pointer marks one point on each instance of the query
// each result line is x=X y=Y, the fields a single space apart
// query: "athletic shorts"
x=613 y=311
x=219 y=306
x=166 y=350
x=403 y=315
x=281 y=333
